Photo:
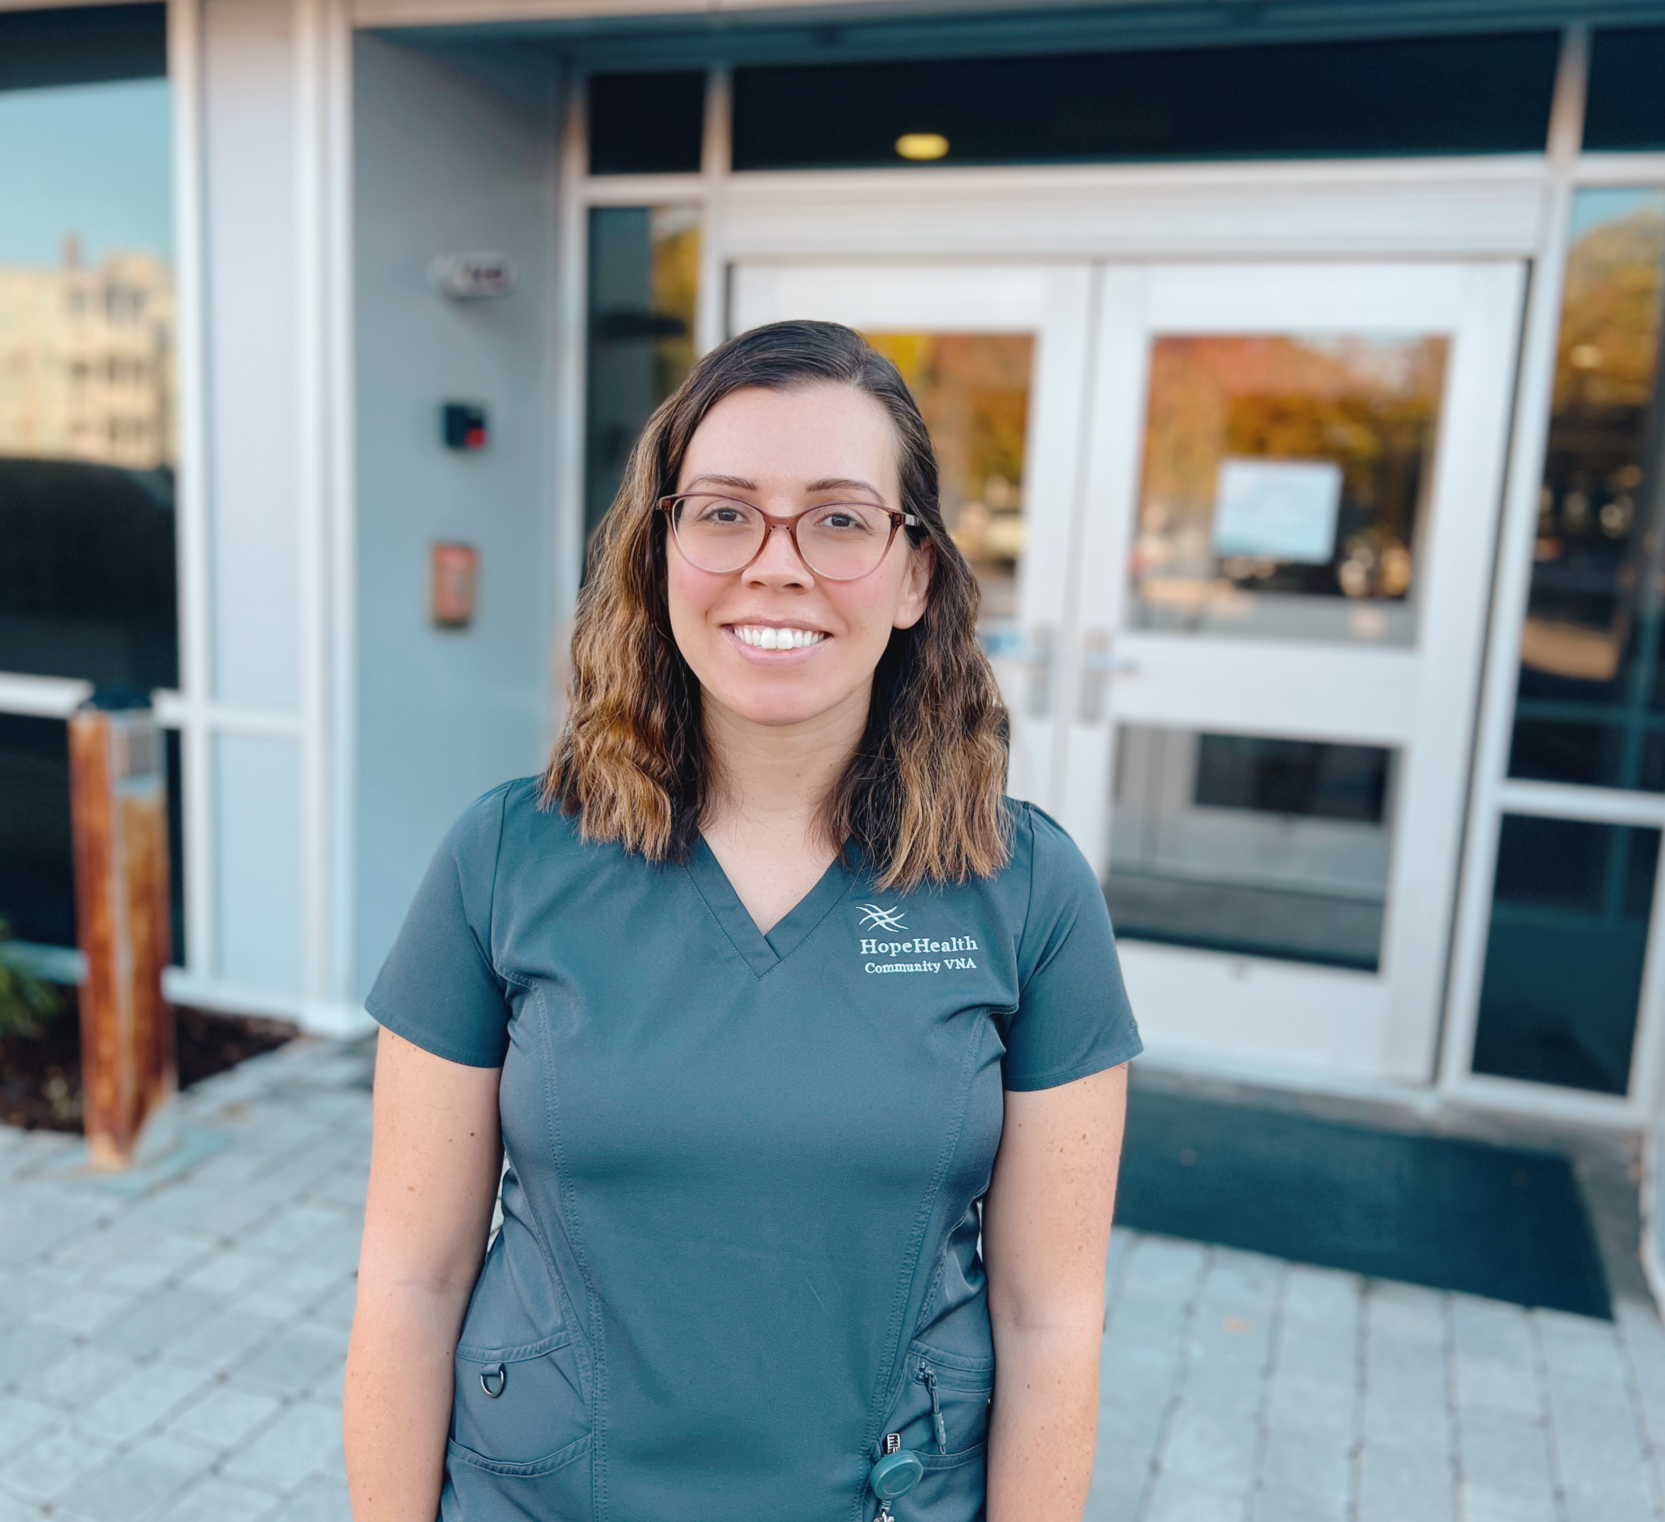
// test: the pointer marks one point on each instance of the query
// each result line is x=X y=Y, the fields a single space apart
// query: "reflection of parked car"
x=991 y=530
x=87 y=581
x=87 y=589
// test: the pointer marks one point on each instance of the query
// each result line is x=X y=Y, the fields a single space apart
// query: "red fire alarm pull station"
x=463 y=425
x=454 y=585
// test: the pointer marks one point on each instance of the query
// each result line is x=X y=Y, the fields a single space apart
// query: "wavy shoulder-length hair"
x=921 y=796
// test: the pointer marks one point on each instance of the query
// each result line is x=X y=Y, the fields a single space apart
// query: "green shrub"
x=27 y=1002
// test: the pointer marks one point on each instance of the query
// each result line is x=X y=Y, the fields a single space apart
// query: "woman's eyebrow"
x=827 y=483
x=740 y=483
x=842 y=483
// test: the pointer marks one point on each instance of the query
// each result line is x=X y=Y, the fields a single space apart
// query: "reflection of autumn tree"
x=1610 y=314
x=973 y=390
x=1367 y=404
x=676 y=274
x=1591 y=566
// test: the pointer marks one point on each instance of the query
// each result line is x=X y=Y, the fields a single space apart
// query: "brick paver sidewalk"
x=176 y=1357
x=179 y=1355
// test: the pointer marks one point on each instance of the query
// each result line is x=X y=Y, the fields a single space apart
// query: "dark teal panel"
x=37 y=870
x=647 y=123
x=1626 y=107
x=1488 y=94
x=87 y=579
x=1569 y=933
x=79 y=45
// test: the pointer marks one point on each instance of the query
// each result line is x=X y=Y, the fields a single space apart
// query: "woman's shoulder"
x=1036 y=835
x=508 y=818
x=1044 y=855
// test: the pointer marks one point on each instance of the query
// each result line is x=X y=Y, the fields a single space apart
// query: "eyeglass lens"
x=838 y=540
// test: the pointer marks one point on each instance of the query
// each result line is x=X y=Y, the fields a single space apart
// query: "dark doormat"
x=1449 y=1214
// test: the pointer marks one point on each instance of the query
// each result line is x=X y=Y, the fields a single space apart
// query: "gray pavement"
x=179 y=1354
x=176 y=1355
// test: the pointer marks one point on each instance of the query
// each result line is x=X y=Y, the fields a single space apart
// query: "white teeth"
x=766 y=637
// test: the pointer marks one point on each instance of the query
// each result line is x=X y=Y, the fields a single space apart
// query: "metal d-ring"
x=498 y=1373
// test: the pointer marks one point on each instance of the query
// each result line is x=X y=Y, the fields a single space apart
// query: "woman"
x=778 y=1002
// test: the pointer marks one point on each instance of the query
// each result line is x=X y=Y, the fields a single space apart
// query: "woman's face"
x=785 y=452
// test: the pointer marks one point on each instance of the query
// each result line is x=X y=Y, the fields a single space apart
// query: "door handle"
x=1035 y=652
x=1040 y=672
x=1098 y=664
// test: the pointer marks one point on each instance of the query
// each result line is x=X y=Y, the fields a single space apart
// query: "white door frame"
x=1218 y=1006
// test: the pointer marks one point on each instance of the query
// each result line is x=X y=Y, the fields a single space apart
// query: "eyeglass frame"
x=899 y=520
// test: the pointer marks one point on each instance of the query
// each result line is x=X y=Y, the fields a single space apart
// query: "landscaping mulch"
x=40 y=1077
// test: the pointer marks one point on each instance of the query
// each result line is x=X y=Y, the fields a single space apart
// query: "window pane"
x=1569 y=932
x=176 y=842
x=1244 y=843
x=644 y=281
x=1590 y=707
x=1420 y=95
x=82 y=44
x=1626 y=108
x=973 y=392
x=37 y=868
x=37 y=874
x=1285 y=480
x=647 y=123
x=87 y=384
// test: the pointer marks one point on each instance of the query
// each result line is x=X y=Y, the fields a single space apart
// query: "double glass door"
x=1234 y=528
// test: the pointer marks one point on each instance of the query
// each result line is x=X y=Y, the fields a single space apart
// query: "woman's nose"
x=778 y=561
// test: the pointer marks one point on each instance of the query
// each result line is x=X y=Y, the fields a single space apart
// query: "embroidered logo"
x=886 y=919
x=951 y=951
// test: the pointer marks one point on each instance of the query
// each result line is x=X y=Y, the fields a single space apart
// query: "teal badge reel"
x=895 y=1474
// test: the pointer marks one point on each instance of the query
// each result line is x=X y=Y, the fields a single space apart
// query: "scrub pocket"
x=944 y=1405
x=557 y=1490
x=520 y=1435
x=519 y=1406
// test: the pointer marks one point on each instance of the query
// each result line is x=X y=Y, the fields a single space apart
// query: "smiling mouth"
x=767 y=637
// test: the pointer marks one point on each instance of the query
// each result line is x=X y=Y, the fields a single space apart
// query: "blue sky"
x=1609 y=203
x=89 y=159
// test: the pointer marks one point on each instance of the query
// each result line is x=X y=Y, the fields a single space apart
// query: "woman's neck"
x=770 y=782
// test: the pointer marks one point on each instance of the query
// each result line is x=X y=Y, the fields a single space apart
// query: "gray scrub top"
x=740 y=1219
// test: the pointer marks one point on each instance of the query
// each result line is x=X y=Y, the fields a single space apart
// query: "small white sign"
x=1277 y=510
x=474 y=277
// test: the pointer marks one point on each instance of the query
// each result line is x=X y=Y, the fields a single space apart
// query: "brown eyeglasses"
x=837 y=541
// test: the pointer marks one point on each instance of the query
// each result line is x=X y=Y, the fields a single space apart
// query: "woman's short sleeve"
x=438 y=987
x=1073 y=1017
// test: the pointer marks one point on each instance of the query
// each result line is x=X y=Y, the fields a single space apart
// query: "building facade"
x=1294 y=372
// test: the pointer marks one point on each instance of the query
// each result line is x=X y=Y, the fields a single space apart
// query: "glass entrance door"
x=998 y=359
x=1286 y=550
x=1234 y=527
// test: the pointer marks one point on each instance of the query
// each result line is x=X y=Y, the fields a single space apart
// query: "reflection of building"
x=87 y=362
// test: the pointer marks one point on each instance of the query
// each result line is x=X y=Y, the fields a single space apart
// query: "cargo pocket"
x=554 y=1489
x=944 y=1406
x=519 y=1410
x=942 y=1414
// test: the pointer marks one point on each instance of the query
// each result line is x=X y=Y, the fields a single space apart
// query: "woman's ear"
x=916 y=589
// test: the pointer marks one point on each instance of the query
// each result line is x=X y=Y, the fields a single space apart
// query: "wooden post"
x=119 y=810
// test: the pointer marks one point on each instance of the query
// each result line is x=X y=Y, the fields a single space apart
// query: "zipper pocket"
x=928 y=1377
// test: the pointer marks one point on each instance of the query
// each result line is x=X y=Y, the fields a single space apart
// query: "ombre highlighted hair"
x=921 y=796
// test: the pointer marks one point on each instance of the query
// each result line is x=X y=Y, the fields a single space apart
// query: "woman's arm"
x=434 y=1168
x=1046 y=1234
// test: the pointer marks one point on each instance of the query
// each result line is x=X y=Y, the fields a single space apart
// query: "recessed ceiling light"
x=922 y=145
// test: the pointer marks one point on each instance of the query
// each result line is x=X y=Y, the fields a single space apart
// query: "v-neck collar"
x=763 y=953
